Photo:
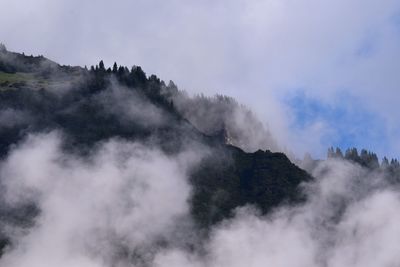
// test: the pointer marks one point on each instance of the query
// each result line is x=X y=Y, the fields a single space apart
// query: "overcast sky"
x=318 y=72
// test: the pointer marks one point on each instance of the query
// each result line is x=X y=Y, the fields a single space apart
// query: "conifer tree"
x=101 y=65
x=339 y=153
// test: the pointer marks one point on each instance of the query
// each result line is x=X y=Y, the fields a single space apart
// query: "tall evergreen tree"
x=385 y=163
x=2 y=48
x=339 y=153
x=101 y=65
x=352 y=154
x=331 y=153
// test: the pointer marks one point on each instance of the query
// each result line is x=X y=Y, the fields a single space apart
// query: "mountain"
x=88 y=107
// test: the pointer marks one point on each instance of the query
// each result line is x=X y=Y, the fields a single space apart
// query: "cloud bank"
x=126 y=205
x=256 y=51
x=97 y=211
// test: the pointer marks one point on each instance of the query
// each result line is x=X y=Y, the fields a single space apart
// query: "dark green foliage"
x=385 y=163
x=352 y=155
x=101 y=65
x=338 y=153
x=14 y=62
x=230 y=178
x=81 y=112
x=4 y=242
x=332 y=153
x=18 y=216
x=90 y=111
x=392 y=171
x=367 y=159
x=224 y=116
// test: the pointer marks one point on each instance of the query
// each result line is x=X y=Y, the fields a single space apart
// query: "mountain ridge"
x=91 y=106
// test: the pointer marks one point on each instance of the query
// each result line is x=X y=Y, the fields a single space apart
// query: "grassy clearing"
x=16 y=77
x=13 y=80
x=17 y=80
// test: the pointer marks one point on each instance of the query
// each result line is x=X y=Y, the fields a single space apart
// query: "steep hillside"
x=90 y=107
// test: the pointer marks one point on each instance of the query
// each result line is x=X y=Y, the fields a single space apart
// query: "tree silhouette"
x=101 y=65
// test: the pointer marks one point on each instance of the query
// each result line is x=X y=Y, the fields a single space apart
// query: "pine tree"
x=331 y=153
x=3 y=48
x=385 y=163
x=352 y=154
x=115 y=68
x=339 y=153
x=101 y=65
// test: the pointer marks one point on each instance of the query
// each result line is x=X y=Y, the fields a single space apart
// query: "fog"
x=349 y=220
x=127 y=205
x=97 y=211
x=224 y=116
x=260 y=52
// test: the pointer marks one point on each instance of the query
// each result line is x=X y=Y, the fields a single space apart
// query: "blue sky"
x=343 y=54
x=348 y=122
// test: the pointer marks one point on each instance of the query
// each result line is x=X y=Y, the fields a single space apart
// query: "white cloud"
x=254 y=50
x=349 y=220
x=127 y=206
x=126 y=197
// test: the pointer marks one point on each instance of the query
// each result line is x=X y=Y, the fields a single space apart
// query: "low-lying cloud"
x=127 y=205
x=349 y=220
x=98 y=211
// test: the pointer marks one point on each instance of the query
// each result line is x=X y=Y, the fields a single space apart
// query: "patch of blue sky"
x=395 y=20
x=349 y=122
x=368 y=46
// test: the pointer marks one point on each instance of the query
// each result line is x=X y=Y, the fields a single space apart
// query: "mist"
x=349 y=220
x=221 y=115
x=127 y=205
x=124 y=199
x=127 y=202
x=113 y=168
